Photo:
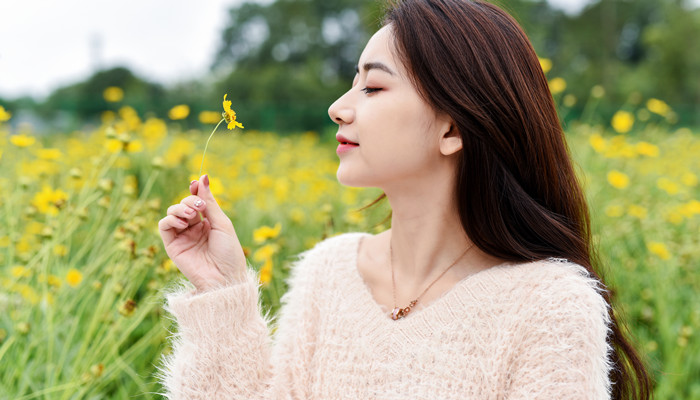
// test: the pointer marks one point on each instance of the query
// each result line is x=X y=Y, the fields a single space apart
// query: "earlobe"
x=451 y=142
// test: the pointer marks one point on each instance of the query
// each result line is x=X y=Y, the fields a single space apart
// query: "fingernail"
x=198 y=203
x=189 y=211
x=206 y=180
x=193 y=181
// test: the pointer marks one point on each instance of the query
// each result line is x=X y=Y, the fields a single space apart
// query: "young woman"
x=483 y=288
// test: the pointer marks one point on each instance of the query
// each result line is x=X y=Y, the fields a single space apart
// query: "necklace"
x=398 y=313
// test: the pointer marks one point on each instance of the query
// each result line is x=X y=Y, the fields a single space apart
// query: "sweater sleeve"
x=223 y=348
x=561 y=349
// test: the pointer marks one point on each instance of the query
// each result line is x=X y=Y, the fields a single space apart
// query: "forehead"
x=380 y=48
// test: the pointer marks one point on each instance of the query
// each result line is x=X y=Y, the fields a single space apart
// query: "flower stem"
x=206 y=146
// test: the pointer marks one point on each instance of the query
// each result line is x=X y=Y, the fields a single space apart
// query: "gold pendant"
x=398 y=313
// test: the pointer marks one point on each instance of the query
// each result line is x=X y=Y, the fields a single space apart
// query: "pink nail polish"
x=206 y=180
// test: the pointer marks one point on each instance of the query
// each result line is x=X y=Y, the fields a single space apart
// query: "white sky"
x=45 y=44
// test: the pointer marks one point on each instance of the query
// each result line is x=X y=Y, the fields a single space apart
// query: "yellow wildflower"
x=622 y=121
x=53 y=280
x=668 y=185
x=614 y=210
x=618 y=179
x=22 y=140
x=637 y=211
x=597 y=91
x=74 y=277
x=598 y=143
x=658 y=107
x=265 y=252
x=659 y=249
x=60 y=250
x=690 y=208
x=265 y=232
x=209 y=117
x=647 y=149
x=4 y=241
x=49 y=154
x=127 y=308
x=689 y=179
x=179 y=112
x=49 y=201
x=113 y=94
x=570 y=100
x=546 y=64
x=230 y=115
x=4 y=114
x=19 y=271
x=266 y=272
x=557 y=85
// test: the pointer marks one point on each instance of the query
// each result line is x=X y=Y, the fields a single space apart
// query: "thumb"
x=216 y=216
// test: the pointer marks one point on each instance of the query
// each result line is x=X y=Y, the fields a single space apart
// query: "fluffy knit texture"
x=515 y=331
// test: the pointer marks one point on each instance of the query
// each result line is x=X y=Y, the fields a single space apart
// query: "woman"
x=482 y=289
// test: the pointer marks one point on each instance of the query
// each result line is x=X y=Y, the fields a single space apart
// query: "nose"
x=340 y=111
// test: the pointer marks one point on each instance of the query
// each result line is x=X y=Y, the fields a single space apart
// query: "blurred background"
x=107 y=111
x=56 y=59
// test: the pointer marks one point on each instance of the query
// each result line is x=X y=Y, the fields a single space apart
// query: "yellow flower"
x=49 y=154
x=265 y=232
x=265 y=252
x=209 y=117
x=618 y=179
x=658 y=107
x=53 y=280
x=49 y=201
x=622 y=121
x=668 y=185
x=659 y=249
x=4 y=114
x=179 y=112
x=546 y=64
x=647 y=149
x=598 y=143
x=113 y=94
x=597 y=91
x=637 y=211
x=614 y=211
x=22 y=140
x=569 y=100
x=557 y=85
x=230 y=115
x=127 y=308
x=60 y=250
x=19 y=271
x=74 y=277
x=266 y=272
x=689 y=179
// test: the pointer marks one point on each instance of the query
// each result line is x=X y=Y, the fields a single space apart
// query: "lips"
x=343 y=140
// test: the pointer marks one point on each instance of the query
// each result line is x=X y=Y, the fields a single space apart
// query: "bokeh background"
x=105 y=109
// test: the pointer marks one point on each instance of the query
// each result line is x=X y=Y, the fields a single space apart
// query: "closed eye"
x=369 y=90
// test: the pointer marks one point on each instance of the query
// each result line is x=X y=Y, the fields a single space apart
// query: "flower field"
x=82 y=266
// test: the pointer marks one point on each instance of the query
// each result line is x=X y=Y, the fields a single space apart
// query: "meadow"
x=82 y=266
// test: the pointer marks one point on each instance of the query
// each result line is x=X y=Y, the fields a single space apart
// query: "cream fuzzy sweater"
x=515 y=331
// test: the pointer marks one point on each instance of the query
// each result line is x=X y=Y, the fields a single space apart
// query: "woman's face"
x=398 y=134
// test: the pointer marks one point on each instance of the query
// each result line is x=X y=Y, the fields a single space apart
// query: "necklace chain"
x=398 y=313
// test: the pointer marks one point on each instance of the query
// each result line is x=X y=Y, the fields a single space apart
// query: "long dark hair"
x=518 y=196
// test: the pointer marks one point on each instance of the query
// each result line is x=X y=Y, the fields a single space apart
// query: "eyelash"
x=369 y=90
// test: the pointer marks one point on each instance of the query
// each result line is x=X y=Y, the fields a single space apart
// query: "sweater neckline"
x=439 y=311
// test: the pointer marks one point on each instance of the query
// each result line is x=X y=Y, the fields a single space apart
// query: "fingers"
x=182 y=210
x=217 y=218
x=168 y=227
x=193 y=187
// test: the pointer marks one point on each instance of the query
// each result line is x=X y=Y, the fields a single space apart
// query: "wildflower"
x=209 y=117
x=127 y=308
x=113 y=94
x=53 y=280
x=23 y=328
x=546 y=64
x=598 y=143
x=622 y=122
x=4 y=114
x=74 y=277
x=658 y=107
x=4 y=241
x=49 y=154
x=618 y=179
x=614 y=210
x=19 y=271
x=637 y=211
x=557 y=85
x=689 y=179
x=22 y=140
x=265 y=252
x=60 y=250
x=569 y=100
x=659 y=250
x=266 y=272
x=230 y=115
x=647 y=149
x=265 y=232
x=668 y=185
x=179 y=112
x=50 y=201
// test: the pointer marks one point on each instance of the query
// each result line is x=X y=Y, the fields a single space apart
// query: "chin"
x=347 y=178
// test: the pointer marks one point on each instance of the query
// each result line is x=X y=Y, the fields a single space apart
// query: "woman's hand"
x=206 y=251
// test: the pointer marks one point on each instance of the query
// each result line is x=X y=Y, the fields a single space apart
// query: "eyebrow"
x=374 y=65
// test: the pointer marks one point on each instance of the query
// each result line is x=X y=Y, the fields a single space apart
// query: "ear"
x=450 y=141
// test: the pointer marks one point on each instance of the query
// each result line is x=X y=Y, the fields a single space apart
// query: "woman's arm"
x=223 y=348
